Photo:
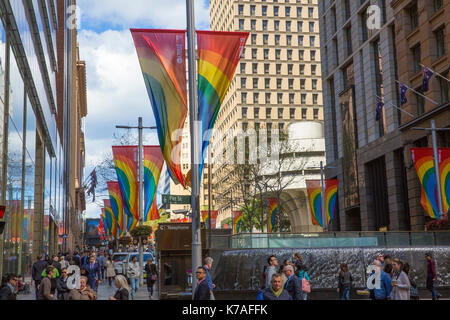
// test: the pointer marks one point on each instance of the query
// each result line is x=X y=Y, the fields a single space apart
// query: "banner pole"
x=436 y=168
x=195 y=144
x=324 y=213
x=141 y=200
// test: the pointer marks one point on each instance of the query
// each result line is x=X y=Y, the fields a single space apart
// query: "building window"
x=347 y=9
x=243 y=83
x=291 y=84
x=444 y=89
x=241 y=24
x=264 y=24
x=416 y=58
x=302 y=84
x=279 y=81
x=300 y=41
x=288 y=26
x=279 y=98
x=299 y=26
x=255 y=83
x=290 y=67
x=266 y=54
x=268 y=113
x=244 y=112
x=304 y=113
x=440 y=42
x=253 y=38
x=264 y=11
x=437 y=5
x=291 y=98
x=288 y=11
x=313 y=55
x=312 y=41
x=310 y=12
x=265 y=38
x=278 y=68
x=253 y=24
x=256 y=113
x=275 y=11
x=277 y=39
x=299 y=12
x=252 y=10
x=420 y=102
x=316 y=114
x=301 y=54
x=288 y=40
x=348 y=38
x=254 y=53
x=414 y=16
x=303 y=98
x=244 y=126
x=266 y=68
x=311 y=27
x=313 y=69
x=241 y=9
x=364 y=32
x=254 y=67
x=278 y=54
x=268 y=97
x=242 y=67
x=292 y=113
x=314 y=84
x=280 y=113
x=244 y=97
x=315 y=98
x=276 y=25
x=255 y=97
x=267 y=83
x=302 y=69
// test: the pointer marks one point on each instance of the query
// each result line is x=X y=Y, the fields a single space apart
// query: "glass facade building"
x=31 y=169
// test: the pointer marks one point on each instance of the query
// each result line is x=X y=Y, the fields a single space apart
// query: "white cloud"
x=141 y=13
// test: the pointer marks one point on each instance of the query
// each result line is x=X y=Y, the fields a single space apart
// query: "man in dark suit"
x=8 y=291
x=36 y=272
x=293 y=285
x=93 y=273
x=202 y=291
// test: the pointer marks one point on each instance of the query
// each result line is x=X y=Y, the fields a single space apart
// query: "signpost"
x=175 y=199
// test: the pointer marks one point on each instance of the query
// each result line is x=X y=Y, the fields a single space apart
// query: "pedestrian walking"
x=36 y=272
x=303 y=276
x=208 y=266
x=293 y=285
x=298 y=262
x=63 y=262
x=123 y=290
x=383 y=292
x=61 y=285
x=152 y=276
x=271 y=270
x=400 y=282
x=56 y=264
x=45 y=286
x=84 y=258
x=344 y=282
x=76 y=259
x=133 y=273
x=84 y=293
x=110 y=271
x=8 y=289
x=202 y=290
x=413 y=289
x=102 y=263
x=93 y=273
x=275 y=291
x=53 y=278
x=431 y=276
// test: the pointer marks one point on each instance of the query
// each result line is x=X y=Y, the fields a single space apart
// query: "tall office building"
x=42 y=104
x=365 y=53
x=278 y=80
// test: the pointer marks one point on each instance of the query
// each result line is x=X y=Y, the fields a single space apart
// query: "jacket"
x=37 y=269
x=63 y=290
x=401 y=290
x=208 y=278
x=94 y=273
x=78 y=294
x=267 y=294
x=133 y=270
x=122 y=294
x=345 y=280
x=7 y=292
x=270 y=271
x=45 y=290
x=101 y=261
x=110 y=271
x=294 y=287
x=431 y=268
x=150 y=270
x=202 y=291
x=385 y=289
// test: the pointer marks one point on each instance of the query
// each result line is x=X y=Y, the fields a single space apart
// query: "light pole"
x=433 y=130
x=140 y=128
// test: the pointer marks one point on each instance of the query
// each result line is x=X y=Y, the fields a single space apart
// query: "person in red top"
x=431 y=276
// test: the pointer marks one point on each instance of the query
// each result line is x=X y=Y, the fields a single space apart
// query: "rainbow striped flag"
x=162 y=56
x=219 y=54
x=273 y=211
x=126 y=163
x=110 y=219
x=423 y=162
x=205 y=218
x=314 y=191
x=153 y=163
x=237 y=221
x=115 y=197
x=444 y=171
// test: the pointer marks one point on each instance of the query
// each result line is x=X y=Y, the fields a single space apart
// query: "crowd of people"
x=292 y=282
x=50 y=276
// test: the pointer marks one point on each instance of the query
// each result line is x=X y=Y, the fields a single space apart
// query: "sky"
x=116 y=93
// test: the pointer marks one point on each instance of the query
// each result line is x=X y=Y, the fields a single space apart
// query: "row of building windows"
x=263 y=25
x=282 y=54
x=288 y=69
x=279 y=40
x=276 y=11
x=279 y=82
x=280 y=96
x=280 y=113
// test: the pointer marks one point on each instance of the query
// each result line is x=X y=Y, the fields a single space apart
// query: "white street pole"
x=195 y=144
x=141 y=199
x=436 y=168
x=324 y=214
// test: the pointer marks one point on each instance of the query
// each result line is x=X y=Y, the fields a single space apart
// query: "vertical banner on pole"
x=153 y=163
x=331 y=189
x=273 y=212
x=205 y=218
x=444 y=170
x=111 y=221
x=237 y=221
x=219 y=54
x=126 y=163
x=314 y=190
x=423 y=162
x=115 y=198
x=162 y=57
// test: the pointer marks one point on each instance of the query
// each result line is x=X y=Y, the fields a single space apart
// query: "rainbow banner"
x=237 y=221
x=162 y=56
x=126 y=163
x=444 y=172
x=219 y=54
x=423 y=162
x=205 y=218
x=153 y=163
x=115 y=197
x=273 y=211
x=314 y=191
x=110 y=219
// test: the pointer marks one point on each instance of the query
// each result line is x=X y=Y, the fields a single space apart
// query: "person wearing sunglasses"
x=8 y=291
x=63 y=290
x=271 y=269
x=202 y=291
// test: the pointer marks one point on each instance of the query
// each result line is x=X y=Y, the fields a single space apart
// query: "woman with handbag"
x=152 y=276
x=304 y=279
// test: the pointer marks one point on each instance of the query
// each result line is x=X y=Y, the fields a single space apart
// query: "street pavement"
x=104 y=292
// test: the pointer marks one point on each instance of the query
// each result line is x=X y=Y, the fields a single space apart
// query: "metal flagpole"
x=404 y=111
x=141 y=199
x=195 y=144
x=324 y=214
x=416 y=92
x=436 y=73
x=209 y=195
x=436 y=167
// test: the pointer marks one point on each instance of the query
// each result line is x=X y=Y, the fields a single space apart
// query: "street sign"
x=175 y=199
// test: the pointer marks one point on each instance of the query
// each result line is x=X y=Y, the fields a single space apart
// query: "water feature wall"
x=242 y=269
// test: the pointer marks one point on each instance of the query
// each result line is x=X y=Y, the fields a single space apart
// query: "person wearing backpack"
x=304 y=279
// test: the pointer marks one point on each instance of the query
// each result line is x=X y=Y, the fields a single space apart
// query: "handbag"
x=153 y=277
x=306 y=287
